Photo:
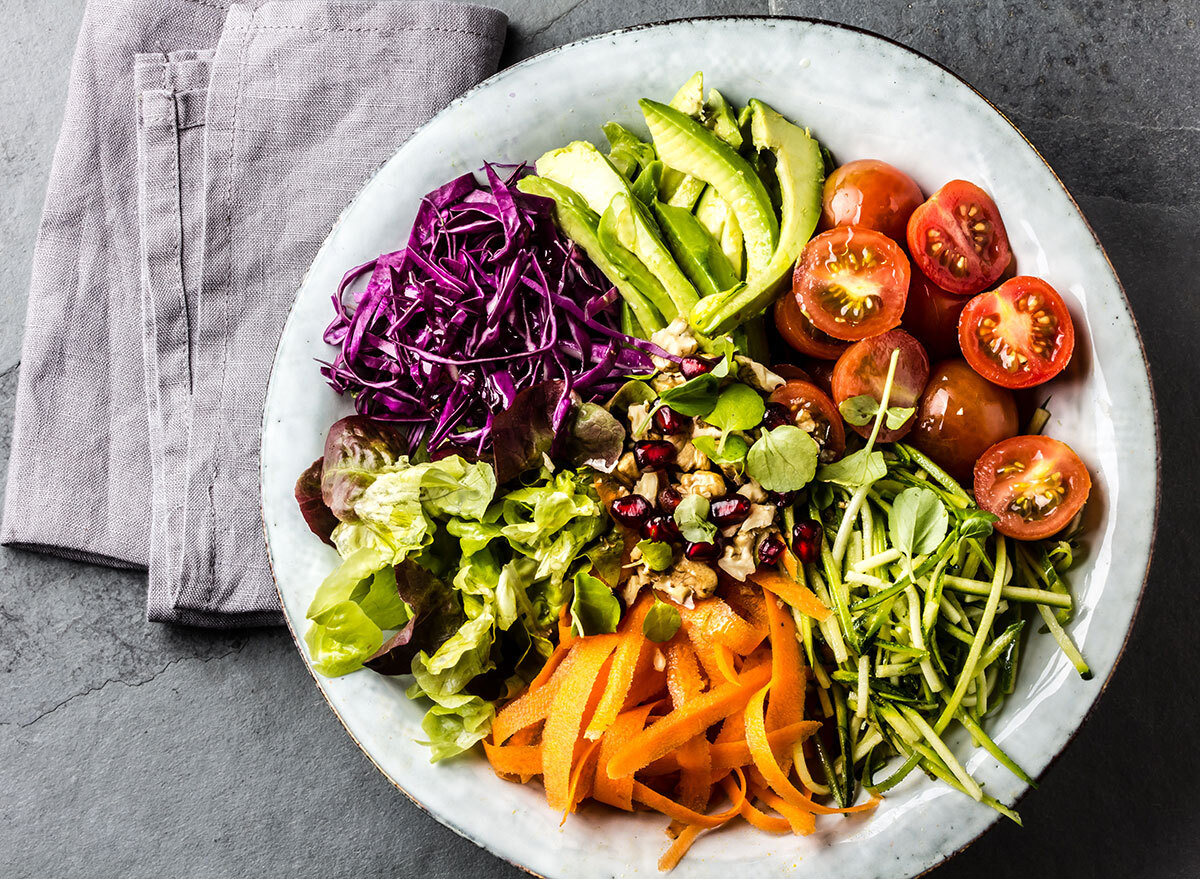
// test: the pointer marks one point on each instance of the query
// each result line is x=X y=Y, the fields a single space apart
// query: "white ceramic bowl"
x=863 y=97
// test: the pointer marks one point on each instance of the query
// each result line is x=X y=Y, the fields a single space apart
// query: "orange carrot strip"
x=531 y=706
x=818 y=809
x=582 y=776
x=674 y=854
x=695 y=773
x=551 y=666
x=624 y=664
x=564 y=721
x=724 y=659
x=514 y=759
x=670 y=732
x=683 y=674
x=757 y=818
x=672 y=809
x=764 y=759
x=618 y=792
x=791 y=592
x=705 y=650
x=719 y=622
x=786 y=705
x=801 y=821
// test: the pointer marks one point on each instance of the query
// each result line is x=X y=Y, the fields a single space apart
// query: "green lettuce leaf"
x=340 y=638
x=594 y=609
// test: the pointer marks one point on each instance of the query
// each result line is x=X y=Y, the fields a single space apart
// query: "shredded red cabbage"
x=487 y=299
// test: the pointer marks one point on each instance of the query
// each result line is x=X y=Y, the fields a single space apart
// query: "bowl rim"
x=537 y=57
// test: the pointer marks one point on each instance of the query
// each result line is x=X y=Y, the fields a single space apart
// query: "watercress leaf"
x=594 y=609
x=605 y=556
x=692 y=518
x=657 y=554
x=630 y=394
x=917 y=522
x=783 y=459
x=858 y=468
x=739 y=407
x=320 y=519
x=696 y=396
x=733 y=452
x=822 y=494
x=859 y=410
x=897 y=416
x=977 y=524
x=596 y=438
x=661 y=622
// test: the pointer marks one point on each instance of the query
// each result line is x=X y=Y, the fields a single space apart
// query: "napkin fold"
x=207 y=149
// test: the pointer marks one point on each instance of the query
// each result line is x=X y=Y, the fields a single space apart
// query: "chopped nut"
x=676 y=338
x=647 y=485
x=639 y=420
x=703 y=482
x=697 y=578
x=752 y=491
x=628 y=467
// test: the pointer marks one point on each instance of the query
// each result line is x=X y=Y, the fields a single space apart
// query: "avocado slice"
x=715 y=216
x=627 y=152
x=801 y=174
x=686 y=145
x=677 y=188
x=582 y=167
x=581 y=224
x=697 y=252
x=719 y=116
x=690 y=97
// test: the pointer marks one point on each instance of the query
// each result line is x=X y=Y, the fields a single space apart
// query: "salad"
x=699 y=474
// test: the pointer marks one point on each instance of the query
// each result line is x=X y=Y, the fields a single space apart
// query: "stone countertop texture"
x=129 y=749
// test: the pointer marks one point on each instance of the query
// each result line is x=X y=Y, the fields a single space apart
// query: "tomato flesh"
x=960 y=416
x=863 y=370
x=1018 y=335
x=1034 y=485
x=811 y=407
x=870 y=193
x=956 y=237
x=852 y=282
x=797 y=330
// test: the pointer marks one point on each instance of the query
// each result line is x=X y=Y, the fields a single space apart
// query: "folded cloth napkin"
x=206 y=151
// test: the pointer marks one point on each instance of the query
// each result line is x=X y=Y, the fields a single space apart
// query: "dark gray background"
x=130 y=749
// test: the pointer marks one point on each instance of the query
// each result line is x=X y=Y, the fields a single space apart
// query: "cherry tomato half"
x=1034 y=484
x=931 y=314
x=1018 y=335
x=863 y=370
x=960 y=416
x=852 y=282
x=958 y=239
x=797 y=330
x=790 y=371
x=808 y=403
x=870 y=193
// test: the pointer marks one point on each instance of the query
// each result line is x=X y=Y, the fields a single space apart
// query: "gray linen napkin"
x=206 y=151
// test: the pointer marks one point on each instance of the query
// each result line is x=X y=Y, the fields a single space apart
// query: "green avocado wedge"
x=696 y=251
x=583 y=168
x=581 y=224
x=800 y=168
x=685 y=145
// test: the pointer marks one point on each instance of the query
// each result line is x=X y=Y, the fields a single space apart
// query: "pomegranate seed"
x=694 y=366
x=776 y=415
x=781 y=499
x=806 y=540
x=669 y=421
x=653 y=454
x=632 y=511
x=668 y=499
x=770 y=549
x=661 y=528
x=702 y=552
x=729 y=511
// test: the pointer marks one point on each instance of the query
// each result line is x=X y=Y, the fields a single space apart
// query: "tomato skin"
x=960 y=416
x=931 y=315
x=1018 y=335
x=870 y=193
x=957 y=238
x=1035 y=485
x=796 y=395
x=790 y=371
x=797 y=330
x=852 y=282
x=863 y=370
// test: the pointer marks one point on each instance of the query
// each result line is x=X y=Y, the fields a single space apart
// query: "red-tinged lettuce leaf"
x=437 y=614
x=524 y=432
x=596 y=438
x=356 y=449
x=316 y=512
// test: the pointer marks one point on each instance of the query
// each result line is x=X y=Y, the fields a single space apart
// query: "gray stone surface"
x=128 y=749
